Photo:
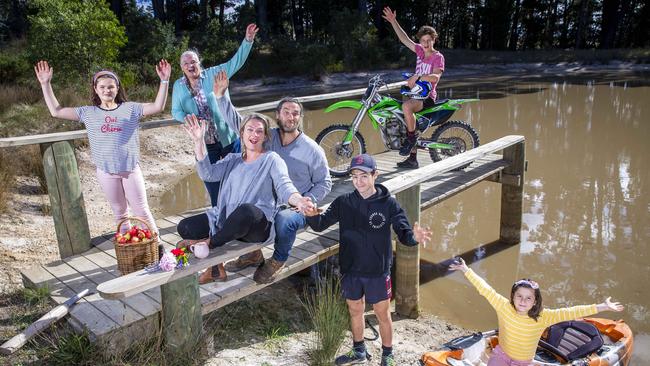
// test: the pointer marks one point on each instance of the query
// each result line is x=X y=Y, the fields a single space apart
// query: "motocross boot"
x=409 y=163
x=409 y=144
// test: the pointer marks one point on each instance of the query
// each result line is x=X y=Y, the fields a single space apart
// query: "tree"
x=76 y=36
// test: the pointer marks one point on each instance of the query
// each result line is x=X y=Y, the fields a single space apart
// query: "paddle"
x=38 y=326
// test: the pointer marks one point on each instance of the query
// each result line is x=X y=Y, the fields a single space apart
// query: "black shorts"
x=375 y=289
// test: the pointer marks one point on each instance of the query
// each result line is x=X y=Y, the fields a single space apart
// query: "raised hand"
x=613 y=306
x=422 y=235
x=459 y=265
x=390 y=15
x=43 y=72
x=251 y=31
x=164 y=69
x=194 y=127
x=221 y=83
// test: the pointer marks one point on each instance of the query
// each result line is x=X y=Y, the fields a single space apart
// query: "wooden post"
x=407 y=260
x=512 y=195
x=66 y=198
x=181 y=314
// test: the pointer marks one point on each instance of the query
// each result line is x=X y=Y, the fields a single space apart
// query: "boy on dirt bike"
x=429 y=67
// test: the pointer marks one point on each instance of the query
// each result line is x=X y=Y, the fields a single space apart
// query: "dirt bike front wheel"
x=338 y=154
x=460 y=135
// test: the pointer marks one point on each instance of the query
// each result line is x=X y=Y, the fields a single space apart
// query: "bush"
x=329 y=315
x=75 y=36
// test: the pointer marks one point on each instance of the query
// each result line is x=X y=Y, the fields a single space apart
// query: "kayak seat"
x=572 y=339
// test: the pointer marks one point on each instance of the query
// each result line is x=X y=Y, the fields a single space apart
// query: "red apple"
x=141 y=234
x=147 y=234
x=134 y=231
x=121 y=240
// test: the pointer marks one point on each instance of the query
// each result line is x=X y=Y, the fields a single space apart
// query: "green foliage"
x=150 y=40
x=14 y=65
x=73 y=349
x=77 y=37
x=354 y=40
x=328 y=313
x=37 y=295
x=215 y=44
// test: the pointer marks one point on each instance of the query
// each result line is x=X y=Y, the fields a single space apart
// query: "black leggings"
x=247 y=223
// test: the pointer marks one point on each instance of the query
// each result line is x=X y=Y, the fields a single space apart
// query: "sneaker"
x=266 y=272
x=352 y=358
x=409 y=144
x=388 y=360
x=409 y=163
x=252 y=259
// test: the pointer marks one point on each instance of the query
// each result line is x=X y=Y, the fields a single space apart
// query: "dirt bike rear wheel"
x=339 y=156
x=461 y=135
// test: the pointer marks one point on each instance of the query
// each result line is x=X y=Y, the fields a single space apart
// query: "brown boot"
x=247 y=260
x=213 y=274
x=267 y=272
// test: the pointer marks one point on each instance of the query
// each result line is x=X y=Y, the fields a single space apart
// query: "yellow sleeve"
x=494 y=298
x=552 y=316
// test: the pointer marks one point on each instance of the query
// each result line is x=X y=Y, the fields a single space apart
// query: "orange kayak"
x=584 y=342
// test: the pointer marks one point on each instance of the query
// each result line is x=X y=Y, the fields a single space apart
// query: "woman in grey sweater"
x=253 y=185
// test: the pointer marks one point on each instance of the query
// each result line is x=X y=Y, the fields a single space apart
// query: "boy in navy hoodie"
x=365 y=252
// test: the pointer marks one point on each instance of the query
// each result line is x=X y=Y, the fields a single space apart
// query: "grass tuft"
x=328 y=313
x=36 y=296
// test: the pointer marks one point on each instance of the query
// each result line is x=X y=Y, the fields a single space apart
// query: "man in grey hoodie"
x=308 y=171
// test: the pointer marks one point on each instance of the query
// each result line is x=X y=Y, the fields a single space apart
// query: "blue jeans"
x=215 y=153
x=287 y=224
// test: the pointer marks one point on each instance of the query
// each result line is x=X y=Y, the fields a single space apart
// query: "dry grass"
x=6 y=180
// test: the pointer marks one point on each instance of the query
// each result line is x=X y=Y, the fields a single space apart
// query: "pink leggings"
x=124 y=190
x=499 y=358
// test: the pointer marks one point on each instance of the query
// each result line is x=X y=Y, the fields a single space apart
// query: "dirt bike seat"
x=440 y=102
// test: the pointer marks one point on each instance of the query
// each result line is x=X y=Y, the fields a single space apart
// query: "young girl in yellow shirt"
x=522 y=319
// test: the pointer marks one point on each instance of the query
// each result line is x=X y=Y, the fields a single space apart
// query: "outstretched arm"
x=44 y=75
x=391 y=17
x=164 y=70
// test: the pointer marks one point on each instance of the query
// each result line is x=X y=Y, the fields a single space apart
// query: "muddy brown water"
x=586 y=206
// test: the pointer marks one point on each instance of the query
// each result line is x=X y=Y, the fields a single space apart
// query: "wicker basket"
x=132 y=257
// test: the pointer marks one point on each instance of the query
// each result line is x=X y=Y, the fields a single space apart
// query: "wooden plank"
x=411 y=178
x=66 y=198
x=139 y=281
x=114 y=309
x=80 y=134
x=96 y=275
x=109 y=264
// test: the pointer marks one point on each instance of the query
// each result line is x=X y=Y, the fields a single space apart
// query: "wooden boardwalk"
x=116 y=323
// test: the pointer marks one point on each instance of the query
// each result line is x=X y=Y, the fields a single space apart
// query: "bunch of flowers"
x=176 y=259
x=181 y=257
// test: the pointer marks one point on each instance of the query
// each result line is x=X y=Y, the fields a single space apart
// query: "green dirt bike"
x=342 y=142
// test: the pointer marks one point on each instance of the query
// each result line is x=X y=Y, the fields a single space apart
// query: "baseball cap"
x=363 y=162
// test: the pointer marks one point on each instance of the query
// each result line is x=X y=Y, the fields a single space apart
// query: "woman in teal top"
x=193 y=94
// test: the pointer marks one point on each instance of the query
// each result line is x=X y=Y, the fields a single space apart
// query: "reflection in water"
x=586 y=208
